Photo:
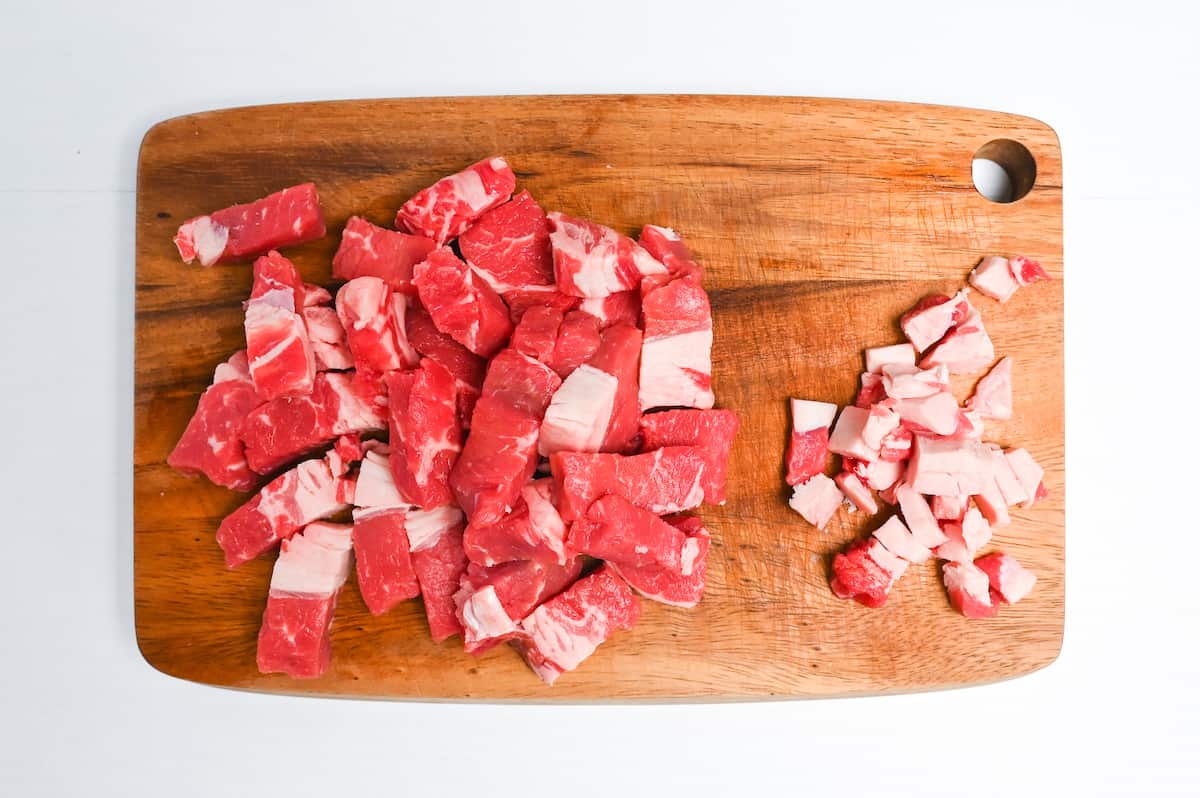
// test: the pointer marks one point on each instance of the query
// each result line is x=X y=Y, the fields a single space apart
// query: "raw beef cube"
x=596 y=407
x=364 y=306
x=949 y=508
x=435 y=544
x=491 y=601
x=910 y=382
x=327 y=339
x=682 y=587
x=591 y=260
x=883 y=474
x=532 y=531
x=949 y=467
x=897 y=539
x=938 y=414
x=509 y=246
x=501 y=452
x=1029 y=474
x=897 y=355
x=578 y=339
x=919 y=517
x=564 y=631
x=968 y=589
x=448 y=207
x=211 y=444
x=932 y=317
x=277 y=432
x=883 y=418
x=1007 y=577
x=667 y=480
x=315 y=295
x=520 y=300
x=382 y=559
x=896 y=446
x=400 y=305
x=1027 y=271
x=615 y=530
x=1006 y=479
x=993 y=277
x=461 y=304
x=623 y=307
x=536 y=333
x=468 y=368
x=371 y=251
x=305 y=583
x=993 y=393
x=287 y=217
x=676 y=365
x=865 y=572
x=347 y=450
x=965 y=349
x=424 y=431
x=710 y=431
x=857 y=492
x=277 y=345
x=376 y=486
x=871 y=391
x=292 y=500
x=966 y=538
x=847 y=439
x=809 y=445
x=665 y=246
x=816 y=500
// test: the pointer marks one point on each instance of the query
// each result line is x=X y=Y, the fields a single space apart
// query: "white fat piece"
x=895 y=355
x=209 y=240
x=484 y=616
x=668 y=362
x=315 y=562
x=808 y=415
x=426 y=527
x=579 y=412
x=376 y=486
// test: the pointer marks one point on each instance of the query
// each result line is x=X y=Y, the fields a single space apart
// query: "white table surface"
x=82 y=713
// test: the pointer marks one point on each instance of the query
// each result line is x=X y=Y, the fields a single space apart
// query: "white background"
x=80 y=712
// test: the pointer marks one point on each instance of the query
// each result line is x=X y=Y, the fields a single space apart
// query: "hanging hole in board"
x=1003 y=170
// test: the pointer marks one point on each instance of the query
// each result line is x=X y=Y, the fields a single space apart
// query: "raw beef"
x=865 y=572
x=932 y=317
x=809 y=446
x=847 y=437
x=578 y=339
x=993 y=394
x=816 y=500
x=435 y=544
x=509 y=247
x=667 y=480
x=1027 y=271
x=665 y=246
x=871 y=391
x=501 y=451
x=520 y=300
x=461 y=304
x=316 y=295
x=210 y=444
x=676 y=369
x=596 y=407
x=491 y=601
x=277 y=432
x=536 y=333
x=424 y=432
x=468 y=368
x=897 y=539
x=679 y=587
x=287 y=217
x=968 y=589
x=591 y=260
x=623 y=307
x=710 y=431
x=563 y=632
x=965 y=349
x=376 y=488
x=919 y=517
x=371 y=251
x=327 y=339
x=617 y=531
x=364 y=306
x=448 y=207
x=277 y=346
x=897 y=355
x=305 y=583
x=533 y=530
x=993 y=277
x=1007 y=577
x=400 y=309
x=949 y=467
x=381 y=557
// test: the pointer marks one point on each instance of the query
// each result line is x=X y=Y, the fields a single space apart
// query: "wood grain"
x=819 y=222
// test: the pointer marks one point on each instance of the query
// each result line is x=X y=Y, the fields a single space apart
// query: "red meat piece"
x=667 y=480
x=624 y=307
x=382 y=560
x=807 y=453
x=865 y=572
x=710 y=431
x=1026 y=270
x=491 y=601
x=615 y=530
x=277 y=346
x=537 y=332
x=578 y=339
x=435 y=542
x=509 y=247
x=287 y=217
x=533 y=530
x=425 y=433
x=683 y=587
x=591 y=260
x=371 y=251
x=665 y=245
x=448 y=207
x=211 y=444
x=676 y=367
x=872 y=391
x=468 y=368
x=520 y=300
x=364 y=306
x=969 y=590
x=461 y=304
x=1008 y=579
x=327 y=339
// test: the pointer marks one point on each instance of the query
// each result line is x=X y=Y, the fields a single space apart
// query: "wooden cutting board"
x=818 y=221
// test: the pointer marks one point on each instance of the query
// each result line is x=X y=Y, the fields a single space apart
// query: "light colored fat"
x=579 y=412
x=210 y=239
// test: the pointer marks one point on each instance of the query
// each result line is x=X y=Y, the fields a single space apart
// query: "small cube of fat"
x=816 y=500
x=937 y=413
x=1027 y=471
x=910 y=382
x=847 y=439
x=926 y=323
x=969 y=590
x=919 y=517
x=1007 y=577
x=991 y=503
x=898 y=354
x=1006 y=479
x=809 y=415
x=967 y=348
x=965 y=538
x=857 y=492
x=949 y=508
x=883 y=474
x=993 y=393
x=897 y=539
x=882 y=419
x=992 y=277
x=949 y=467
